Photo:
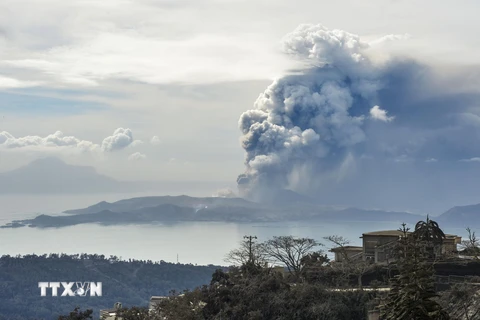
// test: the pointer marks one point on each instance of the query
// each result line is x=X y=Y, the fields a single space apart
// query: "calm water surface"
x=193 y=242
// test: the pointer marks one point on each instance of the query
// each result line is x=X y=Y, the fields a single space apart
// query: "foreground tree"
x=462 y=301
x=431 y=235
x=290 y=251
x=471 y=246
x=134 y=313
x=429 y=230
x=267 y=295
x=185 y=306
x=350 y=265
x=314 y=267
x=250 y=252
x=77 y=314
x=412 y=294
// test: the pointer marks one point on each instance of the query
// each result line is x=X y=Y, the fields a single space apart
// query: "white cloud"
x=61 y=42
x=137 y=156
x=431 y=160
x=136 y=143
x=6 y=82
x=80 y=42
x=389 y=38
x=85 y=42
x=120 y=139
x=155 y=140
x=378 y=114
x=475 y=159
x=135 y=56
x=57 y=139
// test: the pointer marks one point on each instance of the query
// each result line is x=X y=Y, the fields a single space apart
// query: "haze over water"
x=194 y=242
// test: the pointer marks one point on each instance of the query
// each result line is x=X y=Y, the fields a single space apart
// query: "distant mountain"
x=462 y=216
x=356 y=214
x=128 y=205
x=52 y=175
x=164 y=213
x=169 y=209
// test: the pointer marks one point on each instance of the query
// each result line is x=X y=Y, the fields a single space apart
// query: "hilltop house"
x=377 y=246
x=154 y=300
x=111 y=314
x=351 y=252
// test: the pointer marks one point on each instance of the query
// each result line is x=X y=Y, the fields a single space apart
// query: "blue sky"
x=37 y=102
x=179 y=74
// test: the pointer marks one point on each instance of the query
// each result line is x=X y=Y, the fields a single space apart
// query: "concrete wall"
x=339 y=255
x=371 y=241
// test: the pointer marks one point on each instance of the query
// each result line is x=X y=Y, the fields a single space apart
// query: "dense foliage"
x=310 y=286
x=462 y=300
x=131 y=282
x=413 y=294
x=253 y=293
x=78 y=314
x=267 y=295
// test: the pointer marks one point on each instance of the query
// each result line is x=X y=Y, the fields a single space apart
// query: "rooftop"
x=388 y=233
x=349 y=248
x=108 y=311
x=391 y=233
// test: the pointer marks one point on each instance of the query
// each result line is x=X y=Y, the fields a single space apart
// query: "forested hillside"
x=130 y=282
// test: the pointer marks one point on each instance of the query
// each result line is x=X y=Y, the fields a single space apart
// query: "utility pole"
x=250 y=244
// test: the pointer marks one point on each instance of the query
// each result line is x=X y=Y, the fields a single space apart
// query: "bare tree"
x=290 y=251
x=249 y=251
x=340 y=243
x=472 y=245
x=349 y=266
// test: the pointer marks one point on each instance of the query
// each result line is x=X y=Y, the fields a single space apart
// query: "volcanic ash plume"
x=350 y=129
x=224 y=193
x=300 y=120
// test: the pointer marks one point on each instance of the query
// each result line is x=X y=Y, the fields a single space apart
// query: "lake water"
x=194 y=242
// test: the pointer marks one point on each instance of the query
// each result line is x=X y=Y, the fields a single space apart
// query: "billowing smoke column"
x=302 y=119
x=350 y=127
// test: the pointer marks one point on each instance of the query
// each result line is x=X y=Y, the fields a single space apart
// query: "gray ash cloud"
x=321 y=131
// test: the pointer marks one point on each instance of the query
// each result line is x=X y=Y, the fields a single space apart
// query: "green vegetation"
x=462 y=300
x=263 y=293
x=312 y=287
x=131 y=282
x=78 y=314
x=412 y=294
x=471 y=246
x=309 y=286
